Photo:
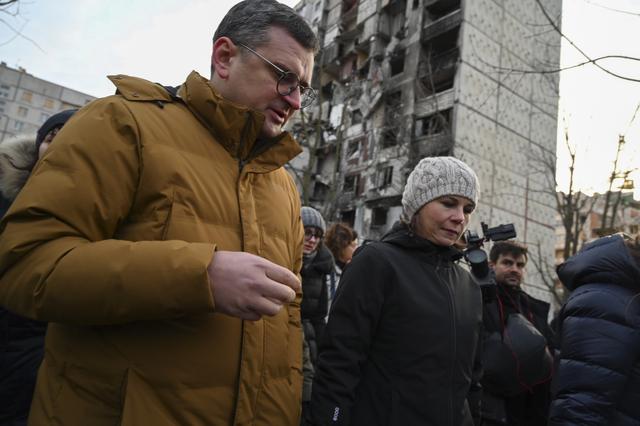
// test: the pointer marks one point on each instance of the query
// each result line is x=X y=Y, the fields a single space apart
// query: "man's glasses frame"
x=288 y=81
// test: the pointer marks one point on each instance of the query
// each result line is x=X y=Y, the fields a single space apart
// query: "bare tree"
x=574 y=207
x=12 y=19
x=547 y=272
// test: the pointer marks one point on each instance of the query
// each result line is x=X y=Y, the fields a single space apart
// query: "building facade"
x=27 y=101
x=399 y=80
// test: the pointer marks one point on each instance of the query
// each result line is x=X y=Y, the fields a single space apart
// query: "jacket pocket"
x=79 y=394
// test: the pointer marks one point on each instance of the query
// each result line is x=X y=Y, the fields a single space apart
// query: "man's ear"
x=492 y=265
x=224 y=52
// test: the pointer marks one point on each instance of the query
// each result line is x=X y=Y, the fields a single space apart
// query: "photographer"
x=516 y=358
x=401 y=342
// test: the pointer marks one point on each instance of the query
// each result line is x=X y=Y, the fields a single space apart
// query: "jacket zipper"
x=454 y=351
x=241 y=163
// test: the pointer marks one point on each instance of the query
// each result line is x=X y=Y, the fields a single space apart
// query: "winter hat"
x=56 y=120
x=312 y=217
x=436 y=177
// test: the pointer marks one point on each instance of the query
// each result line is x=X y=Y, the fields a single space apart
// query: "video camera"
x=477 y=257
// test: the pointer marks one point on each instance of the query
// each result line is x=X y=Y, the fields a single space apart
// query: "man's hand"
x=248 y=286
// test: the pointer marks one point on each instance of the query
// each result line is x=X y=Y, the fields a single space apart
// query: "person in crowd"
x=516 y=376
x=598 y=376
x=401 y=344
x=161 y=238
x=21 y=339
x=18 y=156
x=342 y=241
x=316 y=266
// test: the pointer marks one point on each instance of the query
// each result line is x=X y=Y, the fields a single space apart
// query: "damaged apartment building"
x=399 y=80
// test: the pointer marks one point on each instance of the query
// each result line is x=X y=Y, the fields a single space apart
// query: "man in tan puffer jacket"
x=161 y=238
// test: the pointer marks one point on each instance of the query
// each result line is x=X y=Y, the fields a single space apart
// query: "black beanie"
x=56 y=120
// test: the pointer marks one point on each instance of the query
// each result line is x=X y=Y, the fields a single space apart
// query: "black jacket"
x=598 y=379
x=529 y=404
x=315 y=299
x=401 y=342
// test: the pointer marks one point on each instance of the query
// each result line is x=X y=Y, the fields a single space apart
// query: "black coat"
x=21 y=352
x=529 y=406
x=598 y=379
x=315 y=299
x=401 y=342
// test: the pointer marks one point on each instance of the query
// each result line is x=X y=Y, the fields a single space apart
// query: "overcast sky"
x=76 y=43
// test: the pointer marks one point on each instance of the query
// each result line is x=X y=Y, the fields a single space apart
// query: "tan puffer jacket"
x=110 y=240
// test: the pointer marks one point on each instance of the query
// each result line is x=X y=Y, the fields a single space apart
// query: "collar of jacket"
x=321 y=261
x=401 y=235
x=236 y=127
x=17 y=157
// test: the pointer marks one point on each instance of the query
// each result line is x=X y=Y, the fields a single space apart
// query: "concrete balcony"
x=448 y=22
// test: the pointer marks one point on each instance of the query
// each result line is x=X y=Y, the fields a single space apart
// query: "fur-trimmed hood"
x=17 y=155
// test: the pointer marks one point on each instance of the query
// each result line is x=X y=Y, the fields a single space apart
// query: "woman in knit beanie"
x=402 y=339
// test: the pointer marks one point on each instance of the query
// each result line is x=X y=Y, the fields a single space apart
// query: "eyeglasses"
x=288 y=82
x=308 y=233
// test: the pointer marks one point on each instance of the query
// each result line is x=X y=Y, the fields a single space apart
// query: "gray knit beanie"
x=436 y=177
x=312 y=217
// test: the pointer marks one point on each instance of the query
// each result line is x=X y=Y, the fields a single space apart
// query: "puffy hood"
x=17 y=156
x=402 y=236
x=605 y=260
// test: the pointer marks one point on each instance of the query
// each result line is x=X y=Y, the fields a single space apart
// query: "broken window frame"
x=385 y=177
x=350 y=183
x=379 y=216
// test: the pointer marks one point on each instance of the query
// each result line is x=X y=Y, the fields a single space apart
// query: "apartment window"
x=22 y=111
x=396 y=62
x=379 y=217
x=320 y=191
x=353 y=147
x=356 y=116
x=392 y=119
x=439 y=9
x=43 y=117
x=18 y=125
x=48 y=103
x=350 y=183
x=348 y=217
x=385 y=177
x=4 y=86
x=434 y=124
x=27 y=96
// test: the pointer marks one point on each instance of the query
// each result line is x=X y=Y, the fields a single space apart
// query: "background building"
x=27 y=101
x=402 y=79
x=623 y=214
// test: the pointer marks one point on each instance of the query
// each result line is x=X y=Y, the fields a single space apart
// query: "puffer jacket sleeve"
x=346 y=343
x=60 y=259
x=599 y=348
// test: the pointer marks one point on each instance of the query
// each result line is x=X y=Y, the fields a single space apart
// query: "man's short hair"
x=249 y=21
x=513 y=248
